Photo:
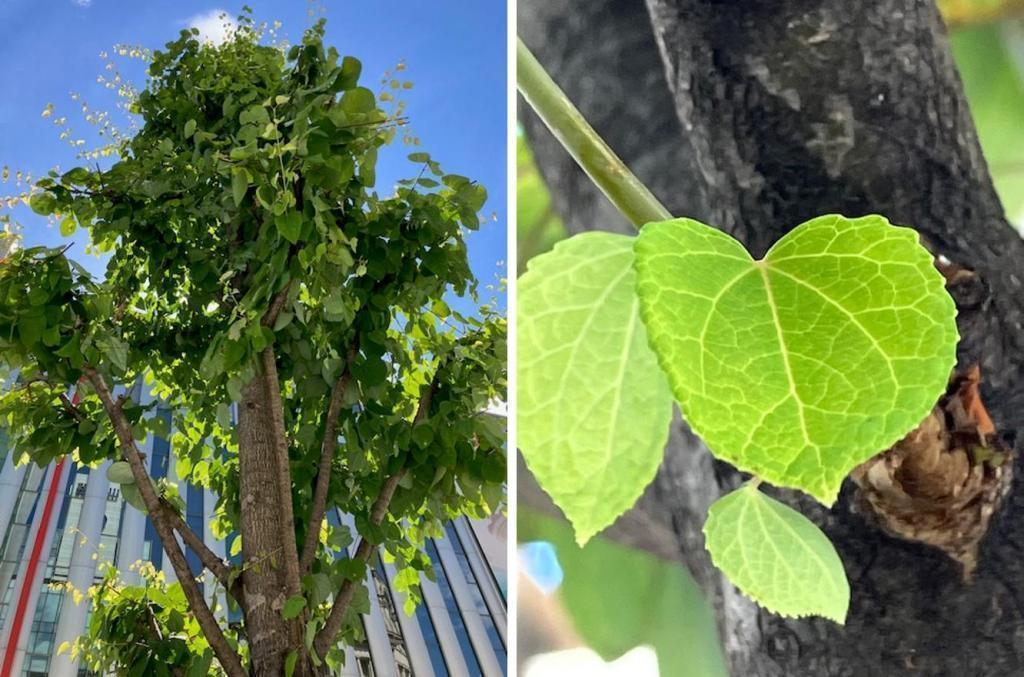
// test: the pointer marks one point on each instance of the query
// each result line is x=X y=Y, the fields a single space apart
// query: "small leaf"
x=776 y=556
x=133 y=497
x=190 y=128
x=802 y=365
x=594 y=408
x=239 y=184
x=358 y=100
x=120 y=473
x=43 y=203
x=289 y=663
x=419 y=157
x=68 y=225
x=289 y=225
x=293 y=607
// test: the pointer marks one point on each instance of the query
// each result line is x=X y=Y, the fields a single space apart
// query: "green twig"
x=600 y=162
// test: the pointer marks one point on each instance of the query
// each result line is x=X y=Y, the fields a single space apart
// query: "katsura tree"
x=296 y=324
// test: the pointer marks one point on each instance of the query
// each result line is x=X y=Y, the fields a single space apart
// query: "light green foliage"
x=994 y=85
x=593 y=407
x=250 y=179
x=144 y=630
x=538 y=227
x=799 y=366
x=619 y=598
x=776 y=556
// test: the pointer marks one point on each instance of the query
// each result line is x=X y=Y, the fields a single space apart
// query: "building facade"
x=58 y=524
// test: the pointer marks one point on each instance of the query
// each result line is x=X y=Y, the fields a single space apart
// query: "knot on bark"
x=942 y=483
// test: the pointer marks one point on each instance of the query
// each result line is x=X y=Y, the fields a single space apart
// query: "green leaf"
x=132 y=496
x=190 y=128
x=289 y=663
x=776 y=556
x=43 y=203
x=422 y=434
x=419 y=157
x=120 y=473
x=289 y=225
x=239 y=184
x=806 y=363
x=68 y=225
x=594 y=408
x=358 y=100
x=115 y=350
x=293 y=607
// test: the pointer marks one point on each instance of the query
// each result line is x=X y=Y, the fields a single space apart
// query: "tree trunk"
x=261 y=529
x=775 y=112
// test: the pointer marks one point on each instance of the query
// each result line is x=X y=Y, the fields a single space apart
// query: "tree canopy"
x=253 y=266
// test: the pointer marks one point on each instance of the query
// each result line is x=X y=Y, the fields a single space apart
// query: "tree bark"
x=262 y=537
x=753 y=117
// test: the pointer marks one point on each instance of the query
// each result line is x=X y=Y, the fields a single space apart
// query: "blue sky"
x=454 y=53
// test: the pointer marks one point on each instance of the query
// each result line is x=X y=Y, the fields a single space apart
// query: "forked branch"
x=229 y=660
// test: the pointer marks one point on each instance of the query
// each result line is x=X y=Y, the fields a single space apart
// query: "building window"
x=364 y=661
x=391 y=621
x=461 y=633
x=478 y=599
x=432 y=641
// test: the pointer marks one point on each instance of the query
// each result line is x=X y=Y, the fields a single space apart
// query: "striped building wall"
x=60 y=523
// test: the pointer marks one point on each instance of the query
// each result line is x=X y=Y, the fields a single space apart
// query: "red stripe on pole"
x=33 y=564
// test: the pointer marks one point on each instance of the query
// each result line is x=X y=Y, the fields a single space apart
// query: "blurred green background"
x=616 y=598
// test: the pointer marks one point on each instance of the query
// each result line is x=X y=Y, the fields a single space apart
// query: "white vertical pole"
x=82 y=570
x=11 y=478
x=172 y=478
x=419 y=656
x=446 y=636
x=132 y=534
x=470 y=615
x=217 y=546
x=36 y=583
x=376 y=631
x=485 y=581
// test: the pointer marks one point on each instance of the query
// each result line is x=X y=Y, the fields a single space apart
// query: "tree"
x=756 y=117
x=252 y=266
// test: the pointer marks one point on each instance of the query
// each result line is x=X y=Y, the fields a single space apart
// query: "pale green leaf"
x=120 y=473
x=190 y=128
x=593 y=407
x=293 y=606
x=804 y=364
x=776 y=556
x=239 y=184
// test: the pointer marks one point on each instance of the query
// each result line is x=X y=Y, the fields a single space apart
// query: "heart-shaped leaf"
x=801 y=365
x=776 y=556
x=593 y=407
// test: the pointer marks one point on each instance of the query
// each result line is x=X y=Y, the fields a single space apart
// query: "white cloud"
x=81 y=3
x=214 y=26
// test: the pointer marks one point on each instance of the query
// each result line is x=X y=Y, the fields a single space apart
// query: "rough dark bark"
x=261 y=530
x=757 y=116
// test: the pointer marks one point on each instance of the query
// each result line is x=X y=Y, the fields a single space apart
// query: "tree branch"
x=343 y=600
x=229 y=660
x=290 y=555
x=327 y=448
x=216 y=565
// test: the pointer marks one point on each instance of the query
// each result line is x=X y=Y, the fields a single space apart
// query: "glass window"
x=432 y=640
x=391 y=621
x=454 y=613
x=478 y=598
